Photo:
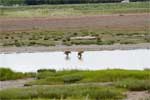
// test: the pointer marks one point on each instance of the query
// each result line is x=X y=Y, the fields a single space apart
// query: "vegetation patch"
x=93 y=92
x=54 y=38
x=7 y=74
x=72 y=78
x=80 y=84
x=134 y=84
x=74 y=9
x=84 y=76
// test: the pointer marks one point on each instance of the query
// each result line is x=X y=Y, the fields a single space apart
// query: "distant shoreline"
x=74 y=48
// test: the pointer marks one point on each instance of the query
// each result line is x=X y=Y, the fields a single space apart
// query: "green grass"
x=53 y=38
x=51 y=84
x=78 y=76
x=94 y=92
x=74 y=9
x=134 y=84
x=8 y=74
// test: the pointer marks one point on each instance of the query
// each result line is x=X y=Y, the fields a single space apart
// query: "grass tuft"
x=93 y=92
x=134 y=84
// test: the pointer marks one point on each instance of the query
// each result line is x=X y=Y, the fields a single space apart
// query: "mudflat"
x=112 y=21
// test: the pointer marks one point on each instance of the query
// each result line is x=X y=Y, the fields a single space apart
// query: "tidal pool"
x=91 y=60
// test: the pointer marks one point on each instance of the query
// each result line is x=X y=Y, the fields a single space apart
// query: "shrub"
x=127 y=42
x=108 y=42
x=46 y=38
x=75 y=34
x=72 y=78
x=7 y=74
x=147 y=39
x=46 y=70
x=32 y=43
x=6 y=37
x=17 y=43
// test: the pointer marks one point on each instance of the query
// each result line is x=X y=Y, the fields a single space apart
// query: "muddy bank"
x=116 y=22
x=138 y=95
x=74 y=48
x=14 y=83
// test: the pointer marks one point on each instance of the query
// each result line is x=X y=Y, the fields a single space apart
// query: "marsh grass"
x=134 y=84
x=53 y=38
x=8 y=74
x=52 y=84
x=93 y=92
x=74 y=9
x=84 y=76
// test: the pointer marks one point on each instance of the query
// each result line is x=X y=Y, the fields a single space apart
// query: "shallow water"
x=93 y=60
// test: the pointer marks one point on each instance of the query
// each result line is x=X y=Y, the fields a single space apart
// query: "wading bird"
x=80 y=54
x=67 y=54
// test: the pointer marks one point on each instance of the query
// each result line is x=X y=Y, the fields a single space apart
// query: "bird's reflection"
x=80 y=58
x=67 y=58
